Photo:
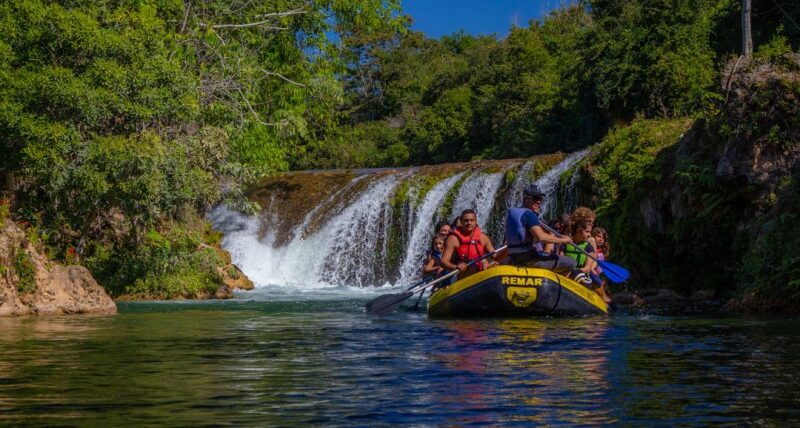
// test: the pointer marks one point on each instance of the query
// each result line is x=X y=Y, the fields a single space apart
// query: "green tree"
x=118 y=117
x=654 y=58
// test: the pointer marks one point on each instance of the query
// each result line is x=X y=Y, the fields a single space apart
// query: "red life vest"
x=470 y=247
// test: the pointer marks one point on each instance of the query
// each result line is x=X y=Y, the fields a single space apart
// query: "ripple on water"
x=325 y=362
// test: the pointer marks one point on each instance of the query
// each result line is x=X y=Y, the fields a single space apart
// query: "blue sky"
x=436 y=18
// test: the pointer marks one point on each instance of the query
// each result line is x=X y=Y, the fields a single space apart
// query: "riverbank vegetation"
x=122 y=122
x=120 y=119
x=705 y=204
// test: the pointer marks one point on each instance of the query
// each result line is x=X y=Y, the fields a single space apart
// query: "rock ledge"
x=31 y=284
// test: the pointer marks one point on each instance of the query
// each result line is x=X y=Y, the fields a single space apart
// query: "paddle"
x=615 y=273
x=420 y=282
x=386 y=303
x=419 y=299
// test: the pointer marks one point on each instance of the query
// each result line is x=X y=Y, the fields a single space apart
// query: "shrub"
x=627 y=154
x=5 y=211
x=169 y=263
x=24 y=268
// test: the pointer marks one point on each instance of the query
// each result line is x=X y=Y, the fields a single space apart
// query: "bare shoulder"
x=452 y=240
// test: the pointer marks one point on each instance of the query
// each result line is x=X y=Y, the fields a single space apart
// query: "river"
x=292 y=360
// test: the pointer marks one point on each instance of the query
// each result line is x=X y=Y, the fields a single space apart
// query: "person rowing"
x=526 y=237
x=466 y=243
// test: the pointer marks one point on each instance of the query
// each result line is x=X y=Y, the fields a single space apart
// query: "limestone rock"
x=626 y=298
x=702 y=295
x=232 y=277
x=664 y=297
x=31 y=284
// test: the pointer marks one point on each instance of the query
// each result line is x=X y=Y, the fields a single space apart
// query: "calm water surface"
x=326 y=363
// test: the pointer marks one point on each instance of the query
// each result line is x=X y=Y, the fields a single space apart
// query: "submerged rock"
x=31 y=284
x=626 y=298
x=664 y=297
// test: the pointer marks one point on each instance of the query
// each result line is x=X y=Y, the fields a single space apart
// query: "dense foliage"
x=557 y=84
x=709 y=204
x=117 y=117
x=122 y=121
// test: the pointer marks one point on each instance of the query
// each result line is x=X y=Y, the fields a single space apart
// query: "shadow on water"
x=325 y=362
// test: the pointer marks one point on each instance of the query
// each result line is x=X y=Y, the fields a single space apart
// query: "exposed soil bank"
x=30 y=284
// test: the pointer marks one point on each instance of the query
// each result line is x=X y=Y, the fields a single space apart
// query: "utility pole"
x=747 y=34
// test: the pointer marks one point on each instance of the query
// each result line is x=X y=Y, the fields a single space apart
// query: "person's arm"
x=488 y=247
x=447 y=255
x=430 y=266
x=545 y=237
x=487 y=244
x=590 y=263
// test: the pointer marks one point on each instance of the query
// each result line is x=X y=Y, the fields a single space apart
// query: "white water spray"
x=344 y=241
x=422 y=228
x=478 y=193
x=548 y=183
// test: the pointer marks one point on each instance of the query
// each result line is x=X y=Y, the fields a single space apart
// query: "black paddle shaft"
x=386 y=303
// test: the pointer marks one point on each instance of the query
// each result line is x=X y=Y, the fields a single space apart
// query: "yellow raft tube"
x=510 y=290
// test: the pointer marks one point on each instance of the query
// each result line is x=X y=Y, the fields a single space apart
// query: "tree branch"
x=298 y=11
x=185 y=16
x=272 y=73
x=268 y=16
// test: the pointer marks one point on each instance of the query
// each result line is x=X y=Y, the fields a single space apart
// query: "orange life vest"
x=470 y=247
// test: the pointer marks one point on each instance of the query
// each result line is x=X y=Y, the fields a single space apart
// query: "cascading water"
x=520 y=181
x=359 y=237
x=478 y=193
x=569 y=193
x=348 y=249
x=420 y=236
x=548 y=183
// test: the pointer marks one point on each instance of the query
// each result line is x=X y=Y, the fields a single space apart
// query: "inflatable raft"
x=509 y=290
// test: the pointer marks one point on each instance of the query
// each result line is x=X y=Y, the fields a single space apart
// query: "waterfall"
x=569 y=193
x=422 y=228
x=520 y=181
x=349 y=249
x=548 y=183
x=376 y=228
x=477 y=193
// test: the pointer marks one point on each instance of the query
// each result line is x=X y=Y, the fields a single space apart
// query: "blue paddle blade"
x=615 y=273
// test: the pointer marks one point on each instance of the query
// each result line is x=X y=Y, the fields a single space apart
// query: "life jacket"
x=436 y=256
x=598 y=254
x=573 y=253
x=518 y=239
x=437 y=261
x=470 y=247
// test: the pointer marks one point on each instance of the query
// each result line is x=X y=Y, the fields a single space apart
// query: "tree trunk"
x=9 y=185
x=747 y=34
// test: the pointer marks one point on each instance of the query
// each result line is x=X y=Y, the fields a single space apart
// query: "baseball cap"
x=533 y=192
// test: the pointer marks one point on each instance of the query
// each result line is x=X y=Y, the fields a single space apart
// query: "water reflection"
x=47 y=328
x=325 y=363
x=546 y=371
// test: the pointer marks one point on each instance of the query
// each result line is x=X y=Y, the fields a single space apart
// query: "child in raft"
x=585 y=214
x=581 y=231
x=433 y=262
x=601 y=249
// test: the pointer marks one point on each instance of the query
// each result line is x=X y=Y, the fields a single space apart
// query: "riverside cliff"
x=709 y=203
x=33 y=284
x=30 y=284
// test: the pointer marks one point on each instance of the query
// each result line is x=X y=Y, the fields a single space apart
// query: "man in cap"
x=526 y=237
